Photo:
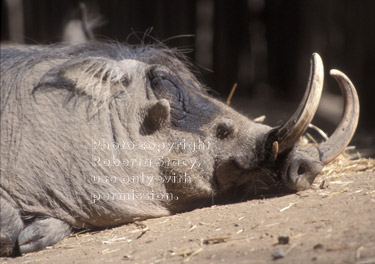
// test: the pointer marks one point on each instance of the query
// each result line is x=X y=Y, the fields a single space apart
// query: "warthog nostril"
x=302 y=172
x=302 y=169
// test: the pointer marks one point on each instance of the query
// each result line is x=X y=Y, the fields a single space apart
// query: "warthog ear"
x=100 y=79
x=96 y=77
x=157 y=116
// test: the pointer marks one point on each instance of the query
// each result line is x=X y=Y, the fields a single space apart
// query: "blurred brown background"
x=263 y=45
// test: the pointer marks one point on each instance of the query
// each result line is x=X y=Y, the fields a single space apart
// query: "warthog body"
x=98 y=134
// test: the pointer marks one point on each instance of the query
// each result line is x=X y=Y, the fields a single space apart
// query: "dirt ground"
x=331 y=223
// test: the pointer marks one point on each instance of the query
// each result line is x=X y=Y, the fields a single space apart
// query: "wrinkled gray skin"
x=57 y=102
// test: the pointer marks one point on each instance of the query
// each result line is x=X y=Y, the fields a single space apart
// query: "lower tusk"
x=275 y=150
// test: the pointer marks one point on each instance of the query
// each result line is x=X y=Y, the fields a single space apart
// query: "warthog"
x=101 y=134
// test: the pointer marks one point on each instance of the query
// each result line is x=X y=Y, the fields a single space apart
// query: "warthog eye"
x=224 y=129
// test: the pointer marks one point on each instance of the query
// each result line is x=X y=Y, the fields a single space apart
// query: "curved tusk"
x=338 y=141
x=294 y=128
